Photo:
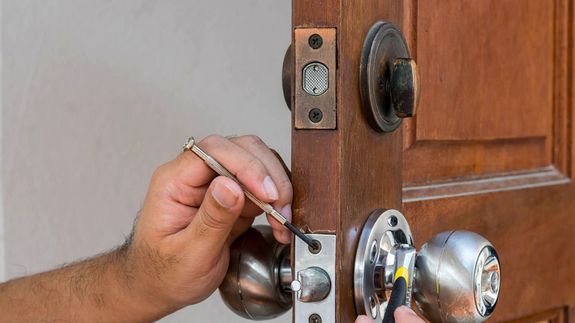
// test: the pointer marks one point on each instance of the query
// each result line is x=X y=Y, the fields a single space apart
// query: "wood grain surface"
x=490 y=151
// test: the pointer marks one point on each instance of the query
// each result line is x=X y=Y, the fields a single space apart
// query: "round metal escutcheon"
x=377 y=239
x=383 y=44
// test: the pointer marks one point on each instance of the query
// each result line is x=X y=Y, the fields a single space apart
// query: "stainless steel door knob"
x=256 y=285
x=458 y=278
x=456 y=275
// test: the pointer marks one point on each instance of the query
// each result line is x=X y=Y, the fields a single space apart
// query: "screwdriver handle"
x=397 y=299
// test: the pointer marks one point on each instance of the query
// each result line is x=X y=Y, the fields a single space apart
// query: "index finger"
x=246 y=167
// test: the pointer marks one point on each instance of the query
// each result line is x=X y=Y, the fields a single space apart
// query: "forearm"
x=100 y=289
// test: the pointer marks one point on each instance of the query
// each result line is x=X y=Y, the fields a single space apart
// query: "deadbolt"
x=389 y=83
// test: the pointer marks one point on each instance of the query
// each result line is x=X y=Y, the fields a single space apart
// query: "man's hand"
x=180 y=250
x=402 y=314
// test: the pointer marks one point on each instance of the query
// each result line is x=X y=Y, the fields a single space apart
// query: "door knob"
x=457 y=270
x=455 y=277
x=256 y=285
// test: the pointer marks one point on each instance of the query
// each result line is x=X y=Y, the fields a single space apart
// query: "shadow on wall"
x=96 y=94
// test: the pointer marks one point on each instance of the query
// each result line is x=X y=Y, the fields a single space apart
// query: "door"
x=490 y=149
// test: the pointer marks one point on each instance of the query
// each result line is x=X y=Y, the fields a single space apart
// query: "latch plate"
x=315 y=48
x=324 y=259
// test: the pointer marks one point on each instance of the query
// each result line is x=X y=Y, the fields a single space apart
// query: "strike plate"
x=324 y=259
x=315 y=78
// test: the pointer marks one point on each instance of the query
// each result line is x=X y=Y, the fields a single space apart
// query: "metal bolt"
x=315 y=115
x=315 y=41
x=392 y=221
x=314 y=318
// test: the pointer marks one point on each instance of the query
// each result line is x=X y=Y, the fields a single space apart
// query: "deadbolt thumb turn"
x=455 y=277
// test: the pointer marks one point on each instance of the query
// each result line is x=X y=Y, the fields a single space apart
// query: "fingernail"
x=224 y=195
x=286 y=212
x=270 y=188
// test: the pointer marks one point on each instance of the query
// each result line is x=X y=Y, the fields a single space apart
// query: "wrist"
x=137 y=284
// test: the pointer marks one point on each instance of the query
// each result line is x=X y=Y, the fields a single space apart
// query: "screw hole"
x=373 y=252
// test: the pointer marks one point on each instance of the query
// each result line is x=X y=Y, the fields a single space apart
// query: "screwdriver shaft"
x=266 y=207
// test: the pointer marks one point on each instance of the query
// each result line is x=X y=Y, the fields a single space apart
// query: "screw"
x=315 y=247
x=314 y=318
x=315 y=115
x=392 y=220
x=315 y=41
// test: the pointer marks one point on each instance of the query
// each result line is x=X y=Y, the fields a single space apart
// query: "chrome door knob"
x=458 y=278
x=455 y=277
x=256 y=285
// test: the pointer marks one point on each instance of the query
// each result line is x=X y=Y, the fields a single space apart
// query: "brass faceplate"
x=315 y=111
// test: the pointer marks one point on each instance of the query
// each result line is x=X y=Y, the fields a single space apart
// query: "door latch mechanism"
x=455 y=277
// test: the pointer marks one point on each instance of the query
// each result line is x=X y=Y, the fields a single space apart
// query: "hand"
x=402 y=314
x=180 y=248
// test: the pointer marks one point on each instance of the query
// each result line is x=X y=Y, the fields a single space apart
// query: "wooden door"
x=489 y=151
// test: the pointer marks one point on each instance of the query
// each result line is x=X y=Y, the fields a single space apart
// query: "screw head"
x=315 y=41
x=314 y=318
x=392 y=221
x=315 y=115
x=315 y=248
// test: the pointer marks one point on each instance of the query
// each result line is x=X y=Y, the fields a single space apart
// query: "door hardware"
x=314 y=83
x=259 y=282
x=389 y=83
x=455 y=277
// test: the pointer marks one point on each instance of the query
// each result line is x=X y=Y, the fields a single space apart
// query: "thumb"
x=363 y=319
x=404 y=314
x=221 y=207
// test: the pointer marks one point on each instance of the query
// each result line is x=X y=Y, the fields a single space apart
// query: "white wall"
x=2 y=255
x=97 y=93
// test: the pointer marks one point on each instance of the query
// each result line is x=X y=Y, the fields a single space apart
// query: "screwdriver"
x=267 y=208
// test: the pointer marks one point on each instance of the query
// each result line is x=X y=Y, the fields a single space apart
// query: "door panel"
x=494 y=89
x=558 y=315
x=490 y=150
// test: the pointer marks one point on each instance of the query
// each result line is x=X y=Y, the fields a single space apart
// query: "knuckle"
x=252 y=140
x=210 y=222
x=252 y=165
x=160 y=173
x=212 y=140
x=285 y=187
